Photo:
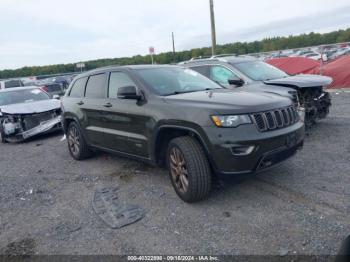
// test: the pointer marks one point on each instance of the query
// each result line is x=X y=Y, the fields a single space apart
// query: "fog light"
x=242 y=150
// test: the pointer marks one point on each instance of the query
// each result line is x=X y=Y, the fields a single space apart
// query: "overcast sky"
x=41 y=32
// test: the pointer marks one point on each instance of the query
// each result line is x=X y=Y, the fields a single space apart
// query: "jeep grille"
x=275 y=119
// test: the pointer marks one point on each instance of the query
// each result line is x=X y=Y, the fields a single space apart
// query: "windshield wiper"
x=191 y=91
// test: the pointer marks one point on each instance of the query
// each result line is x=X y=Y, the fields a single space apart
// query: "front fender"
x=182 y=126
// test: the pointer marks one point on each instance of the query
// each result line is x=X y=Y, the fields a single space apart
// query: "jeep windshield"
x=260 y=71
x=22 y=96
x=165 y=81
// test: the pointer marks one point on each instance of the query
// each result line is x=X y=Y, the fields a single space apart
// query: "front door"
x=126 y=121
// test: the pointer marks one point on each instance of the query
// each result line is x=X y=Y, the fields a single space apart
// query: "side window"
x=13 y=83
x=78 y=88
x=117 y=80
x=95 y=87
x=221 y=74
x=203 y=70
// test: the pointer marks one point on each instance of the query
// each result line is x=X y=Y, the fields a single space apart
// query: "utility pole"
x=213 y=33
x=174 y=58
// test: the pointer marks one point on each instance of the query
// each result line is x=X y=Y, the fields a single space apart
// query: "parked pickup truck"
x=173 y=116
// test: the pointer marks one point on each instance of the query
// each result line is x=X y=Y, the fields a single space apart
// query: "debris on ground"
x=67 y=224
x=111 y=209
x=43 y=196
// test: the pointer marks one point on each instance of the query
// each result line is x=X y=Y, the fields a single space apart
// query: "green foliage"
x=239 y=48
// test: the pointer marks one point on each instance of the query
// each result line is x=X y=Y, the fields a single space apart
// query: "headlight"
x=231 y=121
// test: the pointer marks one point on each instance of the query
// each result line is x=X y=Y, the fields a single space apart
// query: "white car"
x=10 y=83
x=27 y=112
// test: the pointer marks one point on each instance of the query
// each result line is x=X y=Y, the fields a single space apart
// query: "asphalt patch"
x=24 y=247
x=113 y=211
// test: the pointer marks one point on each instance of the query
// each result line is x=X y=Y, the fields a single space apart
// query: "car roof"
x=130 y=67
x=18 y=88
x=224 y=59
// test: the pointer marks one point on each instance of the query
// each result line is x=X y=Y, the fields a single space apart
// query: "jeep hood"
x=301 y=81
x=31 y=107
x=222 y=100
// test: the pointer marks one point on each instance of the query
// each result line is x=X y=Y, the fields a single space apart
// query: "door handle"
x=80 y=103
x=108 y=105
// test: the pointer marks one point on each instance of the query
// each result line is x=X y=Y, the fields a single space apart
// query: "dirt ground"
x=299 y=207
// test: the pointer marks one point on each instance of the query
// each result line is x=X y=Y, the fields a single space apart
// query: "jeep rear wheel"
x=189 y=169
x=77 y=145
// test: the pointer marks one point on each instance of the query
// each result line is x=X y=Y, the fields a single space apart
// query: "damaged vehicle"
x=249 y=74
x=175 y=117
x=26 y=112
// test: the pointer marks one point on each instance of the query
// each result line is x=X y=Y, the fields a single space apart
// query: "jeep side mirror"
x=236 y=82
x=56 y=97
x=128 y=92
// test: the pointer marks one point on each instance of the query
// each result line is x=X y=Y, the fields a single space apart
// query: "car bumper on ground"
x=245 y=150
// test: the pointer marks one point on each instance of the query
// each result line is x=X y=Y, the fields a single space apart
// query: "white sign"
x=80 y=65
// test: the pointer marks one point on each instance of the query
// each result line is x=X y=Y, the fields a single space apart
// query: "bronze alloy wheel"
x=73 y=140
x=178 y=170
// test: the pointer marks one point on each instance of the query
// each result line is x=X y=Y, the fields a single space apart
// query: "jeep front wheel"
x=189 y=169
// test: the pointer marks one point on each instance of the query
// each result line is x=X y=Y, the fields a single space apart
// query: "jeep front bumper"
x=245 y=150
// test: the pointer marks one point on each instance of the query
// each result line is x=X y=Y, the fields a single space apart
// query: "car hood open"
x=301 y=81
x=31 y=107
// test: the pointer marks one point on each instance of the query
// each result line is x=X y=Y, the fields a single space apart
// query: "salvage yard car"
x=26 y=112
x=10 y=83
x=175 y=116
x=250 y=74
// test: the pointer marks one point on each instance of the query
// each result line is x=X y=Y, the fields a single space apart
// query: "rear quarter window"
x=78 y=88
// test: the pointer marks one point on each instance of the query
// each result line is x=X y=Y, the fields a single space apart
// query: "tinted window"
x=78 y=88
x=221 y=74
x=204 y=70
x=95 y=87
x=53 y=87
x=22 y=96
x=13 y=83
x=117 y=80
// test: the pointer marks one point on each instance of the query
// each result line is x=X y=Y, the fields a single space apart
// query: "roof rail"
x=222 y=55
x=199 y=57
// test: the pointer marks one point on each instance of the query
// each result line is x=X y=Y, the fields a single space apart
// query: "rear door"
x=75 y=100
x=125 y=119
x=93 y=108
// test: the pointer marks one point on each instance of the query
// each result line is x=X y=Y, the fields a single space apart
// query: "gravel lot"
x=299 y=207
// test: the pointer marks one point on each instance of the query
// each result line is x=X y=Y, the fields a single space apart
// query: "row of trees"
x=265 y=45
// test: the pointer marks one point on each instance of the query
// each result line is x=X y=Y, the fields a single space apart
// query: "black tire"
x=80 y=150
x=198 y=173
